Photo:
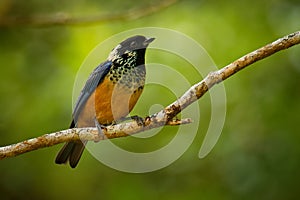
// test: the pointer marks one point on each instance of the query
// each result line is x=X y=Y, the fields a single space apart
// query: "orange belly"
x=110 y=102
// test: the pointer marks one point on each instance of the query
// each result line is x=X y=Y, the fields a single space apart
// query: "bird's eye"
x=133 y=44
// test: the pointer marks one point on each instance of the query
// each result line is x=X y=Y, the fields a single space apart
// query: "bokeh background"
x=257 y=155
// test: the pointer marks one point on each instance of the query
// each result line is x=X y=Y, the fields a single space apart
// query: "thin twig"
x=66 y=19
x=159 y=119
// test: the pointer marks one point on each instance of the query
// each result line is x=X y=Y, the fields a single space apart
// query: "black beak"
x=148 y=41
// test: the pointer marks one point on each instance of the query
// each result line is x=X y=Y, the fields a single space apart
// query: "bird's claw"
x=99 y=127
x=139 y=120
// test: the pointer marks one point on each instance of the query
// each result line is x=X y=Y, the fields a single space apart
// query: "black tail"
x=71 y=151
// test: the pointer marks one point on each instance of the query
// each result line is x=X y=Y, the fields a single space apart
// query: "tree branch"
x=159 y=119
x=66 y=19
x=109 y=132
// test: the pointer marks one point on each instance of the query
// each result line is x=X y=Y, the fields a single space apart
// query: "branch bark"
x=66 y=19
x=164 y=117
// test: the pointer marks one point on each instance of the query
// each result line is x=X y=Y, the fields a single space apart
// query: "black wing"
x=91 y=84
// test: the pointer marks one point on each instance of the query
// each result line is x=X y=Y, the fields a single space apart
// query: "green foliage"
x=257 y=156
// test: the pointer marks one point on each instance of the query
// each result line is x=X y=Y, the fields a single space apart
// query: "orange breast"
x=108 y=103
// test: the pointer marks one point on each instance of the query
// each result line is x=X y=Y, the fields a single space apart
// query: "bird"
x=109 y=94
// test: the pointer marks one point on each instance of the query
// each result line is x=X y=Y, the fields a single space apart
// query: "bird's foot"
x=99 y=127
x=139 y=120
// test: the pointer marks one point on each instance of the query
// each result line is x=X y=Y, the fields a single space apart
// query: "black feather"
x=93 y=81
x=72 y=151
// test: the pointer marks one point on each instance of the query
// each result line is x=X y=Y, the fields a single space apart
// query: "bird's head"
x=131 y=47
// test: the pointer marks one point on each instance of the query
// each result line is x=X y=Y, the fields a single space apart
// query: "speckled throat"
x=128 y=71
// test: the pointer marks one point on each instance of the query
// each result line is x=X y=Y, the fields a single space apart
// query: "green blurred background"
x=257 y=155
